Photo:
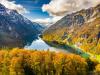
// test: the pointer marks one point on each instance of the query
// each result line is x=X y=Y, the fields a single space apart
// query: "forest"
x=32 y=62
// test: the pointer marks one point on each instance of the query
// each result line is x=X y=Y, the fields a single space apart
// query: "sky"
x=34 y=8
x=48 y=11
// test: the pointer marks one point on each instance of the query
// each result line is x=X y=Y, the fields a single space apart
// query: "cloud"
x=62 y=7
x=12 y=5
x=47 y=21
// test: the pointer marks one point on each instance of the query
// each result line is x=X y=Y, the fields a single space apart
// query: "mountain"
x=16 y=30
x=39 y=27
x=81 y=28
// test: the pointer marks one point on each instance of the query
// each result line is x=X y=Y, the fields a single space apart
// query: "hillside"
x=81 y=29
x=15 y=29
x=25 y=62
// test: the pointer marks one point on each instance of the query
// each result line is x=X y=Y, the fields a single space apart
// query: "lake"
x=39 y=44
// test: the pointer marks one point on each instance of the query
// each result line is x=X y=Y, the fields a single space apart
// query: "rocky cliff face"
x=80 y=28
x=16 y=30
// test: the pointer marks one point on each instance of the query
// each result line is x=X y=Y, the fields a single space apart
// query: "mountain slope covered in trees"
x=81 y=29
x=16 y=30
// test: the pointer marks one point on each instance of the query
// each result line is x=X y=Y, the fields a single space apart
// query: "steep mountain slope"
x=81 y=29
x=16 y=30
x=39 y=27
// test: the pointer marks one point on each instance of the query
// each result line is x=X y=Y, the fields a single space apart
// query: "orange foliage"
x=23 y=62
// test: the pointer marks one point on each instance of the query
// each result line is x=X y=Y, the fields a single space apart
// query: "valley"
x=70 y=46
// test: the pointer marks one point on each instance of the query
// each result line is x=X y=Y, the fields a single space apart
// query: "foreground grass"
x=25 y=62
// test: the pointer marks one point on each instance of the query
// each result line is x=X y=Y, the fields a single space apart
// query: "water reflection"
x=39 y=44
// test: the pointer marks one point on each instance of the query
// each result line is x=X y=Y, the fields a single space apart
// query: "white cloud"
x=47 y=21
x=62 y=7
x=12 y=5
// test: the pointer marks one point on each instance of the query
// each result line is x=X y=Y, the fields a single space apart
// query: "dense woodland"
x=25 y=62
x=86 y=37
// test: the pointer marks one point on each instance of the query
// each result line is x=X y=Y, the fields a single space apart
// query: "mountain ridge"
x=15 y=29
x=69 y=30
x=87 y=13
